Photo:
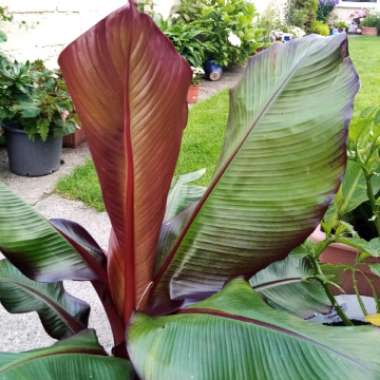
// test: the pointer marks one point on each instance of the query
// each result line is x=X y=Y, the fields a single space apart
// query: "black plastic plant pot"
x=32 y=158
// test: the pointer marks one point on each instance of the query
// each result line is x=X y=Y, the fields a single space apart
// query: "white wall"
x=41 y=28
x=346 y=9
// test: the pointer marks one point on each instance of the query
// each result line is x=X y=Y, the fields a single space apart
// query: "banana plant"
x=174 y=279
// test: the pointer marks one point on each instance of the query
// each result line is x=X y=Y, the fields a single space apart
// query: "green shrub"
x=34 y=99
x=5 y=16
x=372 y=20
x=227 y=25
x=318 y=27
x=302 y=13
x=187 y=38
x=342 y=25
x=325 y=7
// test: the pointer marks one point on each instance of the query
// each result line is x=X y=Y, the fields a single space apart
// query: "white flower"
x=233 y=39
x=197 y=71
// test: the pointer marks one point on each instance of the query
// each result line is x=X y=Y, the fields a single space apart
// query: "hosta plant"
x=174 y=279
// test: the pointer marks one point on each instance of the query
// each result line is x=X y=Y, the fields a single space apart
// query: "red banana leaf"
x=129 y=88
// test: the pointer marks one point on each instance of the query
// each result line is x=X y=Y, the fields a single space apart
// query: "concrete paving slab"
x=32 y=189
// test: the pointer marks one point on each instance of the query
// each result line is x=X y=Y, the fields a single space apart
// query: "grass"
x=204 y=134
x=202 y=142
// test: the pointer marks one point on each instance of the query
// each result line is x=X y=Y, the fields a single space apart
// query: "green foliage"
x=187 y=39
x=302 y=13
x=35 y=99
x=227 y=26
x=5 y=16
x=79 y=357
x=243 y=338
x=319 y=27
x=341 y=25
x=61 y=314
x=372 y=20
x=325 y=7
x=358 y=201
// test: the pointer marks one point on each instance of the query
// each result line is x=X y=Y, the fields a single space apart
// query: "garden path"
x=24 y=332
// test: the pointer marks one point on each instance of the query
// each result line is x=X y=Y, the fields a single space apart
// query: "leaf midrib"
x=272 y=327
x=223 y=169
x=43 y=355
x=69 y=320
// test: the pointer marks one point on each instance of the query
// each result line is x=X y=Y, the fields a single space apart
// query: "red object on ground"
x=73 y=140
x=343 y=254
x=192 y=94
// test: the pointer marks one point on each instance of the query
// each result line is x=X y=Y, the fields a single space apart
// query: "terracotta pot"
x=192 y=94
x=343 y=254
x=73 y=140
x=369 y=31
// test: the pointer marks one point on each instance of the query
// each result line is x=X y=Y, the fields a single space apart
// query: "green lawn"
x=201 y=145
x=204 y=133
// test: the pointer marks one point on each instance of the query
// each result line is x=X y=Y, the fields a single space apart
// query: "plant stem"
x=330 y=296
x=374 y=291
x=372 y=201
x=336 y=306
x=356 y=289
x=116 y=323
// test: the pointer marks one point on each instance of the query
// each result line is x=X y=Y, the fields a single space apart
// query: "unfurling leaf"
x=129 y=88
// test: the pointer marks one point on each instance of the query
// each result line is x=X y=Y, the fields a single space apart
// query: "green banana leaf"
x=182 y=199
x=288 y=284
x=283 y=158
x=76 y=358
x=34 y=246
x=61 y=314
x=236 y=335
x=183 y=193
x=354 y=188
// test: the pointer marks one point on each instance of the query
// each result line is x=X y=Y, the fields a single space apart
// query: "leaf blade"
x=242 y=337
x=61 y=314
x=75 y=358
x=129 y=86
x=33 y=246
x=278 y=172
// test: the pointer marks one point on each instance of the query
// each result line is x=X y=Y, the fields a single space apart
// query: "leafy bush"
x=187 y=39
x=35 y=99
x=361 y=208
x=341 y=25
x=302 y=13
x=320 y=27
x=5 y=16
x=372 y=20
x=325 y=7
x=227 y=26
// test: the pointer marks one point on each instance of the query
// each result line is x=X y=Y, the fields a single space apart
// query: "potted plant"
x=175 y=290
x=227 y=26
x=355 y=211
x=35 y=112
x=193 y=93
x=370 y=25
